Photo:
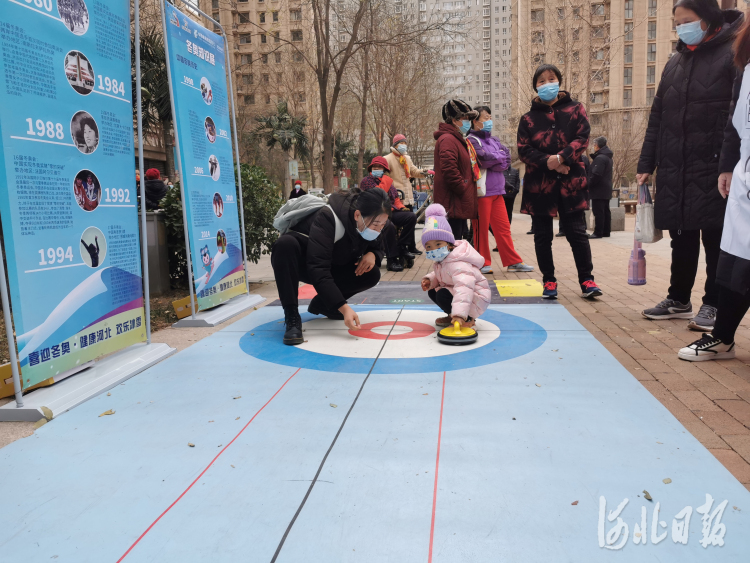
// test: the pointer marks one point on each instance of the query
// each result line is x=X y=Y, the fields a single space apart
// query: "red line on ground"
x=437 y=466
x=204 y=471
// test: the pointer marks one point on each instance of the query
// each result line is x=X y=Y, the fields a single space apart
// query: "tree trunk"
x=166 y=128
x=362 y=125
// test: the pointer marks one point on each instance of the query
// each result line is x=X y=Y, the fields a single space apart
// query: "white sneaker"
x=707 y=348
x=486 y=270
x=520 y=267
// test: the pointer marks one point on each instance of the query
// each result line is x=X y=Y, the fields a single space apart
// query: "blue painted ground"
x=555 y=420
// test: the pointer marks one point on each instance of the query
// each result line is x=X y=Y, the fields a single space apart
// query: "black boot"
x=413 y=250
x=394 y=265
x=407 y=260
x=317 y=307
x=293 y=322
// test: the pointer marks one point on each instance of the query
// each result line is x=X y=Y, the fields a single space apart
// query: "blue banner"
x=199 y=86
x=69 y=207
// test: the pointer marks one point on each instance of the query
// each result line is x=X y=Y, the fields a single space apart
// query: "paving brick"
x=734 y=463
x=721 y=422
x=656 y=366
x=739 y=409
x=705 y=435
x=740 y=444
x=696 y=401
x=673 y=381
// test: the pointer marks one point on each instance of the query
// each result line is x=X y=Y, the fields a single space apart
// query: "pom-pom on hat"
x=398 y=138
x=381 y=161
x=436 y=225
x=152 y=174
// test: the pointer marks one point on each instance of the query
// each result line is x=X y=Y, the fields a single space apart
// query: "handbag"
x=645 y=228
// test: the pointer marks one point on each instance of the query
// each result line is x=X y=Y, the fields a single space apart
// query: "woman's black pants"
x=686 y=251
x=574 y=226
x=732 y=307
x=397 y=244
x=289 y=261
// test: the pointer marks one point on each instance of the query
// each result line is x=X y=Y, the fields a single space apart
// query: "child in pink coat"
x=456 y=285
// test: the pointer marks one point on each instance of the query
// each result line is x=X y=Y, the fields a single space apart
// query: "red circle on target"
x=418 y=330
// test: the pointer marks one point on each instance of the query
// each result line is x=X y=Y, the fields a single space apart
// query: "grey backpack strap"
x=340 y=229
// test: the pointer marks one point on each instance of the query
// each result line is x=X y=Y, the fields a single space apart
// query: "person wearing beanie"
x=552 y=138
x=396 y=244
x=456 y=284
x=456 y=167
x=402 y=170
x=297 y=191
x=494 y=158
x=155 y=189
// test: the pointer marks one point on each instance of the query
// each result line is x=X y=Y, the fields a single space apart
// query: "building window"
x=650 y=92
x=277 y=57
x=561 y=13
x=244 y=17
x=537 y=15
x=276 y=37
x=245 y=38
x=599 y=54
x=215 y=4
x=247 y=79
x=262 y=17
x=628 y=31
x=597 y=9
x=275 y=16
x=577 y=13
x=627 y=98
x=674 y=46
x=301 y=97
x=651 y=52
x=263 y=38
x=626 y=120
x=539 y=59
x=652 y=30
x=628 y=76
x=652 y=8
x=595 y=119
x=597 y=97
x=250 y=100
x=295 y=15
x=560 y=59
x=266 y=78
x=297 y=57
x=486 y=34
x=264 y=59
x=597 y=76
x=650 y=75
x=597 y=32
x=576 y=34
x=246 y=59
x=297 y=35
x=628 y=54
x=628 y=9
x=268 y=98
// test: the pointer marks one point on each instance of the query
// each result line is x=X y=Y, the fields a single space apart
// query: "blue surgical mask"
x=487 y=126
x=549 y=91
x=691 y=33
x=439 y=254
x=377 y=173
x=401 y=149
x=465 y=126
x=368 y=234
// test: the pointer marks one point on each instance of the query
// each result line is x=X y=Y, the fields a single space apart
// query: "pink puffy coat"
x=459 y=273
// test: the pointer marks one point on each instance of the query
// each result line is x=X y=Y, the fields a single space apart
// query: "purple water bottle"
x=637 y=265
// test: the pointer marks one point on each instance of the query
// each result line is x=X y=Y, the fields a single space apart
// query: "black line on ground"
x=333 y=443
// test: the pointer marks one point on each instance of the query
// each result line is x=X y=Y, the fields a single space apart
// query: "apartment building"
x=611 y=54
x=267 y=40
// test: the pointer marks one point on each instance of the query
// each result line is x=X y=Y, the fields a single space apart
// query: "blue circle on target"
x=518 y=336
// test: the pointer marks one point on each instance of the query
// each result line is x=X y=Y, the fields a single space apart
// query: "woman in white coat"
x=733 y=271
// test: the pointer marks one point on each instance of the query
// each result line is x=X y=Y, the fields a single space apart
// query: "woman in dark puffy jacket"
x=686 y=144
x=552 y=137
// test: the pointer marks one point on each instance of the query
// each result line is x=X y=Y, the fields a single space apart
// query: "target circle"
x=411 y=347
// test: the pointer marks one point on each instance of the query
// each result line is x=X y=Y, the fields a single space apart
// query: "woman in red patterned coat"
x=552 y=137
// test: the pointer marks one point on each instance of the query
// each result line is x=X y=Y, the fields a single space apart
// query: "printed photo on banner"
x=221 y=242
x=206 y=92
x=85 y=132
x=79 y=72
x=74 y=15
x=93 y=247
x=210 y=130
x=218 y=205
x=87 y=190
x=213 y=167
x=207 y=263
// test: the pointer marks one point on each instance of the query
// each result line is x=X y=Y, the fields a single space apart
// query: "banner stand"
x=237 y=305
x=107 y=372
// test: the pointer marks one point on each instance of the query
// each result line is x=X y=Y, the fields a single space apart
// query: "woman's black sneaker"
x=413 y=250
x=293 y=334
x=394 y=265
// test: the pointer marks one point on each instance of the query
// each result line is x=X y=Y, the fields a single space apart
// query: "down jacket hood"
x=604 y=151
x=464 y=252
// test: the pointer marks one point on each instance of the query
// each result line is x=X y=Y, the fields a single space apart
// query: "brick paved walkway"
x=710 y=399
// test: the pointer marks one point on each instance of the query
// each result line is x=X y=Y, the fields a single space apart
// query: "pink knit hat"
x=436 y=225
x=398 y=138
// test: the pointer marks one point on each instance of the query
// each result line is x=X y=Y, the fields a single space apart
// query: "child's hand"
x=463 y=323
x=425 y=284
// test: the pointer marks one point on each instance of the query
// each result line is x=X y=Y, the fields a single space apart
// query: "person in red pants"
x=494 y=158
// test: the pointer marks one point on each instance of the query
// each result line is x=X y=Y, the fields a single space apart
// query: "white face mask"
x=401 y=148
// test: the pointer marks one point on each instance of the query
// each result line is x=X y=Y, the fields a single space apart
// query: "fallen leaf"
x=574 y=503
x=425 y=393
x=219 y=445
x=667 y=481
x=514 y=418
x=334 y=406
x=237 y=418
x=637 y=534
x=210 y=420
x=659 y=442
x=254 y=309
x=109 y=394
x=646 y=495
x=537 y=384
x=105 y=413
x=556 y=350
x=39 y=423
x=237 y=397
x=736 y=508
x=191 y=445
x=252 y=334
x=232 y=466
x=653 y=332
x=47 y=413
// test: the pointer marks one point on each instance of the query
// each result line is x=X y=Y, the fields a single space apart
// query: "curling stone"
x=457 y=335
